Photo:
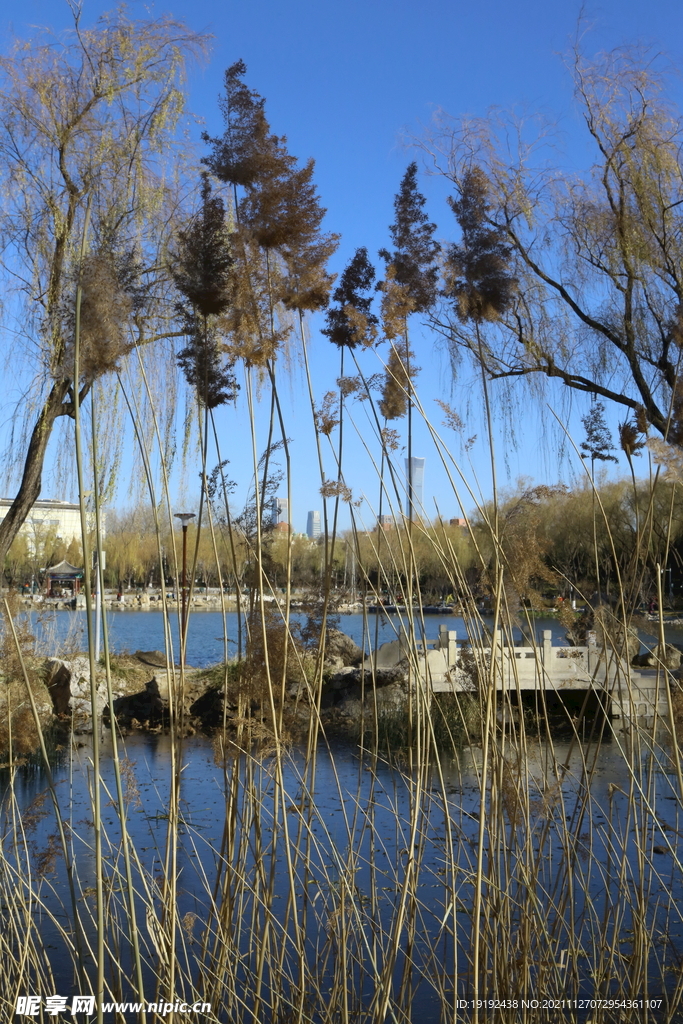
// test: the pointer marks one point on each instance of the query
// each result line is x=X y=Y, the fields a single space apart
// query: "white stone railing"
x=526 y=668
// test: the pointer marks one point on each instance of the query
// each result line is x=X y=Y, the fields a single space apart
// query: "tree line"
x=552 y=542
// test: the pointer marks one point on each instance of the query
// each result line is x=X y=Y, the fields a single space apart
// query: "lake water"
x=597 y=858
x=358 y=826
x=131 y=631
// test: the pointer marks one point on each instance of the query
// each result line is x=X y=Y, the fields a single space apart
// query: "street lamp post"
x=98 y=599
x=184 y=518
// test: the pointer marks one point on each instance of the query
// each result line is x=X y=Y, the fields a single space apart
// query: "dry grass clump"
x=454 y=720
x=128 y=672
x=676 y=696
x=19 y=735
x=11 y=648
x=277 y=657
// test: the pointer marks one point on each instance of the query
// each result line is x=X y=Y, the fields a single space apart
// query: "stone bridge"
x=632 y=694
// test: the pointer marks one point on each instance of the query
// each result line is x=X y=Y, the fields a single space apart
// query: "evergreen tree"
x=477 y=274
x=413 y=260
x=281 y=248
x=351 y=322
x=202 y=273
x=410 y=286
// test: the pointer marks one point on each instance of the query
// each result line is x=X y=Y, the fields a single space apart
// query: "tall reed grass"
x=504 y=880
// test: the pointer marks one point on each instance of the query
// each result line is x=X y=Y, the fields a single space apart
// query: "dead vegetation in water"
x=19 y=735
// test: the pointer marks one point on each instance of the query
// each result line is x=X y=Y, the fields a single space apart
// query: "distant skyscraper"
x=279 y=511
x=313 y=525
x=415 y=471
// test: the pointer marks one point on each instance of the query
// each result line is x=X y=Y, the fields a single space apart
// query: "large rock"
x=344 y=678
x=68 y=683
x=347 y=687
x=58 y=682
x=157 y=659
x=670 y=658
x=351 y=710
x=387 y=656
x=145 y=708
x=81 y=704
x=208 y=710
x=390 y=698
x=611 y=635
x=341 y=651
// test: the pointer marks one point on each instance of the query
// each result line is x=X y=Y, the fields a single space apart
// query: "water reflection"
x=583 y=839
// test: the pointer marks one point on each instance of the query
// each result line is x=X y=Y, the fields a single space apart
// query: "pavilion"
x=62 y=576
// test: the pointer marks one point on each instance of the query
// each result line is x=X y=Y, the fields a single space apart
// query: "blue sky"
x=348 y=83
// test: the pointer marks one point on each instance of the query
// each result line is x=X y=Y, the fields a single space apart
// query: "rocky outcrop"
x=68 y=683
x=157 y=659
x=340 y=651
x=610 y=634
x=58 y=682
x=388 y=656
x=354 y=694
x=208 y=710
x=669 y=657
x=353 y=688
x=145 y=709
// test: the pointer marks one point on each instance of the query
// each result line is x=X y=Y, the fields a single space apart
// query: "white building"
x=61 y=518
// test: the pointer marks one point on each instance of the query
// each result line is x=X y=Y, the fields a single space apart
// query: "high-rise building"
x=415 y=471
x=385 y=522
x=279 y=511
x=313 y=525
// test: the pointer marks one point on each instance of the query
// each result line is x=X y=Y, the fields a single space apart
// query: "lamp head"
x=184 y=517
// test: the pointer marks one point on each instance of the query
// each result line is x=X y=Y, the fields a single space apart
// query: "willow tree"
x=87 y=130
x=598 y=254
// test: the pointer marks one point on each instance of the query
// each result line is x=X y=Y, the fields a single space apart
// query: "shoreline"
x=203 y=603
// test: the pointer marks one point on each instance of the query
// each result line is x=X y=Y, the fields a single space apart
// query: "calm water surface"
x=363 y=817
x=144 y=631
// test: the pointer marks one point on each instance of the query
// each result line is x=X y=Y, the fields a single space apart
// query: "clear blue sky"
x=345 y=82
